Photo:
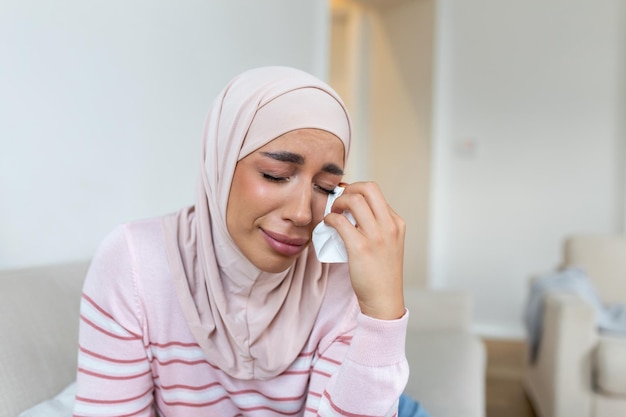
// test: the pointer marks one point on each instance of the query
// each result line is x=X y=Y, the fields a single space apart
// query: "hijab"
x=250 y=323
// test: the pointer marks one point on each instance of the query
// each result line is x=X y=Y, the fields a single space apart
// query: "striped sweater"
x=137 y=356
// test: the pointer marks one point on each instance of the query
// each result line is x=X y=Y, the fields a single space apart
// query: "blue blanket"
x=609 y=318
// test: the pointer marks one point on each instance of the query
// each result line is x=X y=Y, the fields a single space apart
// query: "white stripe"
x=326 y=366
x=104 y=367
x=256 y=400
x=211 y=394
x=302 y=363
x=104 y=322
x=313 y=401
x=193 y=396
x=82 y=408
x=325 y=409
x=165 y=354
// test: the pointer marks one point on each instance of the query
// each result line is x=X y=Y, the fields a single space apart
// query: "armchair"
x=578 y=370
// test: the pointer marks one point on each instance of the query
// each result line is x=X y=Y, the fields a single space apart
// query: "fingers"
x=375 y=248
x=366 y=202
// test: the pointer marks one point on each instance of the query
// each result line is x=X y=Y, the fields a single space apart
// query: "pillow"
x=60 y=406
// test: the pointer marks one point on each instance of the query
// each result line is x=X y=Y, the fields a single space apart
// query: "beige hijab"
x=251 y=324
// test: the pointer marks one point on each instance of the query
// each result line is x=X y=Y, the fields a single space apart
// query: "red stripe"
x=327 y=359
x=105 y=313
x=317 y=371
x=196 y=405
x=108 y=333
x=110 y=377
x=206 y=404
x=183 y=361
x=109 y=359
x=189 y=387
x=340 y=410
x=284 y=413
x=301 y=372
x=94 y=401
x=232 y=393
x=168 y=344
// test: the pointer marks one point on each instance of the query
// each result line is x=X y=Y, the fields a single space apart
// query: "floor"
x=505 y=365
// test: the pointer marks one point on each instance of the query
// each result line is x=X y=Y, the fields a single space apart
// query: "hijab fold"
x=251 y=324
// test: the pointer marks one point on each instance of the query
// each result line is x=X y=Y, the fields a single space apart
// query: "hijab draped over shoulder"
x=251 y=324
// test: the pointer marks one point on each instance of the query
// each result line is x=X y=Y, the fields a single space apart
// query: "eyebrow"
x=298 y=159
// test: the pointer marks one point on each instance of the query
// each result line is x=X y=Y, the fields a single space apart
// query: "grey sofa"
x=39 y=310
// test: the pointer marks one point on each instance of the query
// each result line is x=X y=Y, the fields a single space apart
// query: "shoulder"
x=127 y=250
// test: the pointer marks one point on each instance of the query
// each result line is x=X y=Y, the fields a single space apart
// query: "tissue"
x=329 y=246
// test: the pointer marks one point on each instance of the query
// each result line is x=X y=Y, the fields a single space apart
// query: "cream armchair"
x=578 y=370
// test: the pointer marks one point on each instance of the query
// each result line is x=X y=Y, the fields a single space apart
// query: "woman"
x=222 y=308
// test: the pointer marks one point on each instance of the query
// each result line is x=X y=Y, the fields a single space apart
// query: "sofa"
x=580 y=371
x=39 y=310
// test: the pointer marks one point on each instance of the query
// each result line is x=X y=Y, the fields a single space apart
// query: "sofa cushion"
x=610 y=364
x=61 y=405
x=447 y=372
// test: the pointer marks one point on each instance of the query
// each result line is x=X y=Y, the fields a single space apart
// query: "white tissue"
x=328 y=245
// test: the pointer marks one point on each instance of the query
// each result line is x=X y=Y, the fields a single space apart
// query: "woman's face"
x=278 y=195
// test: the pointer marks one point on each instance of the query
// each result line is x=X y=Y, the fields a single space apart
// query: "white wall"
x=102 y=106
x=538 y=87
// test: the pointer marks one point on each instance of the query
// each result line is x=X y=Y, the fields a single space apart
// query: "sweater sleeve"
x=114 y=373
x=361 y=374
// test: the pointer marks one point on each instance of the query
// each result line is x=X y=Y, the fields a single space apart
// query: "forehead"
x=310 y=142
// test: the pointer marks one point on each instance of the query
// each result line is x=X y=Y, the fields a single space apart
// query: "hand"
x=375 y=249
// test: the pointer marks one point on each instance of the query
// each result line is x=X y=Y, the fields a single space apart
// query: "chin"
x=275 y=268
x=274 y=264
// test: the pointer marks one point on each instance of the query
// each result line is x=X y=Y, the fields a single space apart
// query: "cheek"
x=248 y=197
x=318 y=207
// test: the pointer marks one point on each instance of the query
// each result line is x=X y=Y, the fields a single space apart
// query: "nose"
x=298 y=207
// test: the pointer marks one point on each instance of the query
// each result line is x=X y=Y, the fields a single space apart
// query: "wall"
x=382 y=64
x=528 y=143
x=102 y=106
x=401 y=120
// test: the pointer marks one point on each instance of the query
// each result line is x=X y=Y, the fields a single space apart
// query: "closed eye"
x=325 y=190
x=273 y=178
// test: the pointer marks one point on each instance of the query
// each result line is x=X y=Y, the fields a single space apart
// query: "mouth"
x=283 y=244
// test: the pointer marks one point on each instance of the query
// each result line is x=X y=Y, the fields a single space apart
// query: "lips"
x=283 y=244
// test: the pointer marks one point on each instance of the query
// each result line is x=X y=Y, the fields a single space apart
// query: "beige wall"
x=382 y=63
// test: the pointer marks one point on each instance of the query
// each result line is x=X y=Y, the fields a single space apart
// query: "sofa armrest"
x=39 y=315
x=438 y=309
x=560 y=381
